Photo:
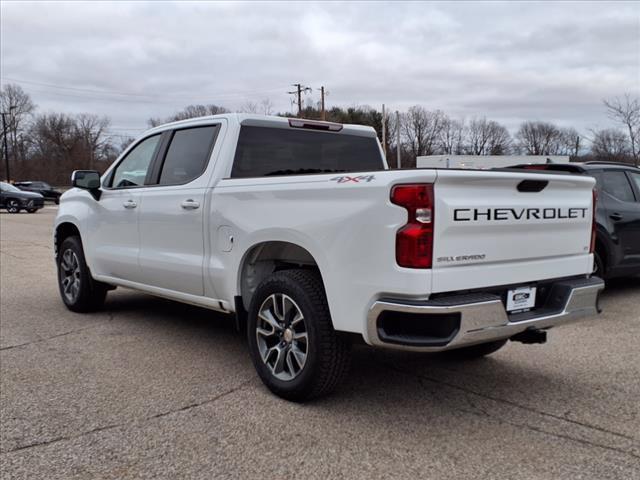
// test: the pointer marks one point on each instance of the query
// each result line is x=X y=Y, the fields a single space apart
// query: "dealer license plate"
x=522 y=298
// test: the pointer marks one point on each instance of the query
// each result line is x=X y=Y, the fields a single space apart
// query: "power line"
x=155 y=97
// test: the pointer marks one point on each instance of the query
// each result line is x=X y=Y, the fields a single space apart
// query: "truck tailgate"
x=499 y=228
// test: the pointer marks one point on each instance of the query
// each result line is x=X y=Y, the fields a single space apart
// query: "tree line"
x=48 y=146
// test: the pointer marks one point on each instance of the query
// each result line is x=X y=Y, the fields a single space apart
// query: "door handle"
x=615 y=216
x=190 y=204
x=129 y=204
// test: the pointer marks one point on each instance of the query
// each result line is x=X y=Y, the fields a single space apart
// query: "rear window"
x=264 y=151
x=188 y=155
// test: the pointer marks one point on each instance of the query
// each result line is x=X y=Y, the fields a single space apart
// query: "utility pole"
x=322 y=113
x=398 y=137
x=6 y=148
x=384 y=132
x=300 y=89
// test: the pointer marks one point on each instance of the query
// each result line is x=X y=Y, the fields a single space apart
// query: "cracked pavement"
x=149 y=388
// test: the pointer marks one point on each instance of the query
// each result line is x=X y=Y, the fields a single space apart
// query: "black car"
x=42 y=188
x=14 y=199
x=617 y=214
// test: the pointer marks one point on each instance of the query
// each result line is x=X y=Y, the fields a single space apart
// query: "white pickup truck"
x=299 y=229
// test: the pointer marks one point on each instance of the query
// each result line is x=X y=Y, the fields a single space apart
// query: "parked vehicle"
x=617 y=252
x=299 y=229
x=43 y=188
x=14 y=199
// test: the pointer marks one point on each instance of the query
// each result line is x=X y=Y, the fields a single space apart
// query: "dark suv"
x=43 y=188
x=617 y=214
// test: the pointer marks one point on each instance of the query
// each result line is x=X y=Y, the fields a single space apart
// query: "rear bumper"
x=468 y=319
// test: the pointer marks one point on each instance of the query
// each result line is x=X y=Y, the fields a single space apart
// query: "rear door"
x=171 y=221
x=622 y=203
x=499 y=228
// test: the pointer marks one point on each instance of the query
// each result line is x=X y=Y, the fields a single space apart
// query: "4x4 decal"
x=358 y=179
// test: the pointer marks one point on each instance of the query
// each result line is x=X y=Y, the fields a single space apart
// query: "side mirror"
x=87 y=180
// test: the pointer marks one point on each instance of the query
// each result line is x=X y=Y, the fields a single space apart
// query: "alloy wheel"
x=282 y=336
x=13 y=206
x=70 y=273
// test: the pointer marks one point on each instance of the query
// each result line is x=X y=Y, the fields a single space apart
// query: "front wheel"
x=32 y=210
x=79 y=291
x=13 y=206
x=294 y=348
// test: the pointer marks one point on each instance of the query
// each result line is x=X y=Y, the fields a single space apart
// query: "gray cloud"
x=508 y=61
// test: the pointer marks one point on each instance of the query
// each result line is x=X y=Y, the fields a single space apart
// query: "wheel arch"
x=266 y=257
x=11 y=199
x=64 y=230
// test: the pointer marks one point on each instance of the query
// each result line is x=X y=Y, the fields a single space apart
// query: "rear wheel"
x=295 y=350
x=476 y=351
x=598 y=265
x=79 y=291
x=13 y=206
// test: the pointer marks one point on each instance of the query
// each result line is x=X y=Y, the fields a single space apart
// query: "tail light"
x=414 y=241
x=592 y=248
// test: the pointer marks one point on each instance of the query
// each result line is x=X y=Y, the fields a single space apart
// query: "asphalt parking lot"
x=149 y=388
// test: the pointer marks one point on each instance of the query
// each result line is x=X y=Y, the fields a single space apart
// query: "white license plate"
x=521 y=298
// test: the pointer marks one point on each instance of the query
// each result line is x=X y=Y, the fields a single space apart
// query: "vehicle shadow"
x=380 y=380
x=621 y=285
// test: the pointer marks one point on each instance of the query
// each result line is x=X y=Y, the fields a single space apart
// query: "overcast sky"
x=508 y=61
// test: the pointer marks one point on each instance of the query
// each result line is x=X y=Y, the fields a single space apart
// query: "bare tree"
x=568 y=142
x=18 y=108
x=55 y=144
x=611 y=144
x=452 y=136
x=249 y=107
x=90 y=130
x=487 y=137
x=421 y=130
x=627 y=112
x=266 y=106
x=190 y=111
x=539 y=138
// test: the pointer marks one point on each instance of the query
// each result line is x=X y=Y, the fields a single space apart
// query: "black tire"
x=32 y=210
x=89 y=294
x=598 y=265
x=327 y=356
x=57 y=200
x=13 y=206
x=476 y=351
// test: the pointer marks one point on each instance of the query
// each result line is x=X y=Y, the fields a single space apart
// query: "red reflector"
x=414 y=241
x=414 y=246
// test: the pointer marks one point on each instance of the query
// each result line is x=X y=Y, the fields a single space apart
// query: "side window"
x=132 y=171
x=635 y=177
x=187 y=155
x=617 y=185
